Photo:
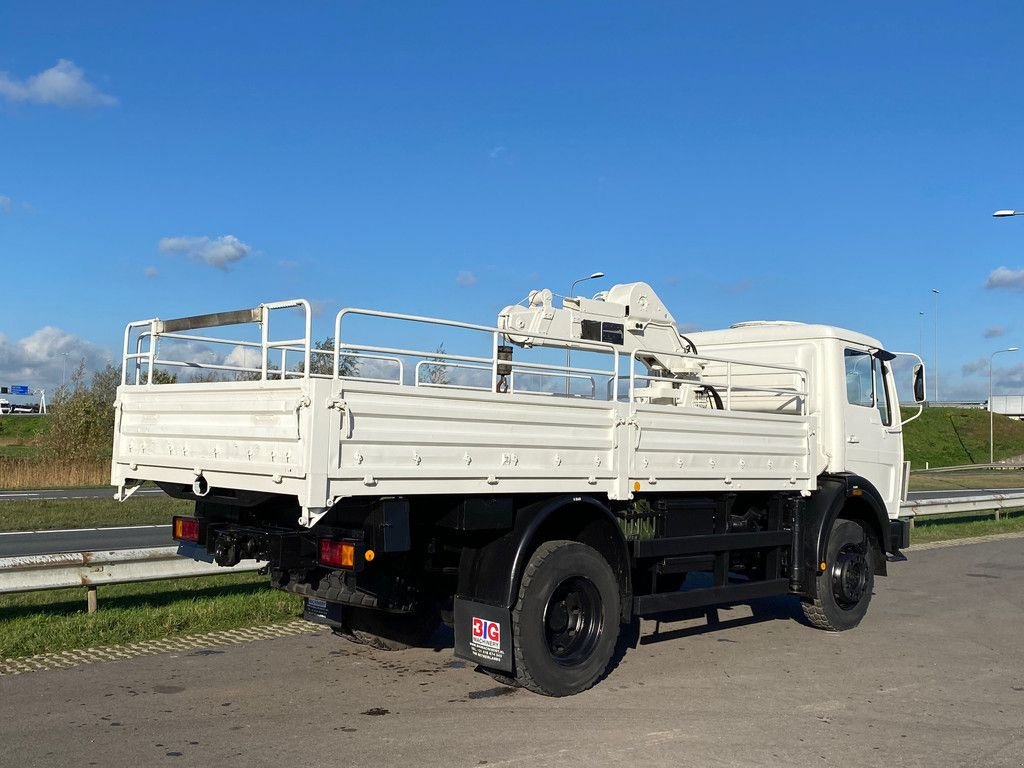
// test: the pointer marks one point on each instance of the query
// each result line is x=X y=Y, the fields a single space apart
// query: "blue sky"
x=819 y=162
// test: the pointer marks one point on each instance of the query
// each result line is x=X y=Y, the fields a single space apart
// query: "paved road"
x=84 y=540
x=916 y=495
x=934 y=677
x=72 y=493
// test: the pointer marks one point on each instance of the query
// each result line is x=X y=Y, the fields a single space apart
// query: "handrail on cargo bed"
x=493 y=364
x=762 y=387
x=151 y=332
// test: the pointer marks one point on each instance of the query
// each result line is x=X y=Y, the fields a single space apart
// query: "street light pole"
x=991 y=431
x=935 y=291
x=64 y=369
x=568 y=352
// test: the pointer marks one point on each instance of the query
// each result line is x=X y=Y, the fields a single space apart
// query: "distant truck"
x=539 y=503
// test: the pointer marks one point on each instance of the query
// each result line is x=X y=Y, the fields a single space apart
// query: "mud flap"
x=483 y=634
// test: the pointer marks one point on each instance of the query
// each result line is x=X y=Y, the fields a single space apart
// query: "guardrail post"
x=997 y=514
x=90 y=599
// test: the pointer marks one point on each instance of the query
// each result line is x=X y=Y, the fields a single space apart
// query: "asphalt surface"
x=71 y=493
x=933 y=677
x=17 y=543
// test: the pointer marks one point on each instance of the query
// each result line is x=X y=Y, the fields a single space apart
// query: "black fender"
x=491 y=573
x=840 y=495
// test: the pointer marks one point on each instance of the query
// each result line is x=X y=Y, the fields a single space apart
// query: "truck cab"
x=853 y=392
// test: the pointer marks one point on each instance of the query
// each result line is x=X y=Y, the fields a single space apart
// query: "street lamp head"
x=596 y=275
x=1013 y=349
x=1006 y=212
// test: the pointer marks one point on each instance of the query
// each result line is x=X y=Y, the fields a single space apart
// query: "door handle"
x=852 y=439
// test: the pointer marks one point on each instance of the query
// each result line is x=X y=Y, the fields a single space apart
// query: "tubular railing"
x=149 y=334
x=273 y=354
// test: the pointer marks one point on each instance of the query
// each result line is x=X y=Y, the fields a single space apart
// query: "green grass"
x=88 y=513
x=21 y=427
x=19 y=436
x=19 y=451
x=945 y=437
x=49 y=622
x=959 y=526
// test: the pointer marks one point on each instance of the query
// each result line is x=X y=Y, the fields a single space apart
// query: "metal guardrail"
x=121 y=566
x=996 y=502
x=29 y=573
x=968 y=467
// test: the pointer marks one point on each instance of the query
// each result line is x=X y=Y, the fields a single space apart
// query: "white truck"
x=537 y=502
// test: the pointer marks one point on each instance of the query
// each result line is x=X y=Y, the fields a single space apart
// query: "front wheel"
x=843 y=590
x=566 y=619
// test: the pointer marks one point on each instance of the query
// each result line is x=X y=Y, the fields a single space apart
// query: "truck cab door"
x=873 y=439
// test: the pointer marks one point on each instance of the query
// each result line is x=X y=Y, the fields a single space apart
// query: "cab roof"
x=780 y=330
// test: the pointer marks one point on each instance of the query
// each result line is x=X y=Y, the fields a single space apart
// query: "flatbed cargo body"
x=322 y=440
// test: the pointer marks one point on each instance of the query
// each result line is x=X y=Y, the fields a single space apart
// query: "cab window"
x=866 y=382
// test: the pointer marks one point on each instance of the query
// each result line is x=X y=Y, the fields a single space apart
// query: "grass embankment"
x=49 y=622
x=45 y=515
x=946 y=437
x=23 y=463
x=19 y=435
x=958 y=526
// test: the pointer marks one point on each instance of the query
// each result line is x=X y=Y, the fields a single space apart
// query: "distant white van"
x=5 y=406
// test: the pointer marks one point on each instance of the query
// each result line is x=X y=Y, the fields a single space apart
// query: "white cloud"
x=1004 y=277
x=220 y=252
x=5 y=204
x=975 y=367
x=63 y=85
x=995 y=331
x=465 y=279
x=496 y=153
x=38 y=360
x=151 y=272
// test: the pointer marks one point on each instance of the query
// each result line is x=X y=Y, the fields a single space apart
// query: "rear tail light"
x=186 y=529
x=337 y=554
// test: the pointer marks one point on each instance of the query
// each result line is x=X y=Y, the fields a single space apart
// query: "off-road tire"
x=566 y=619
x=843 y=591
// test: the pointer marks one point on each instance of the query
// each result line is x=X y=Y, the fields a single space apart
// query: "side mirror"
x=920 y=392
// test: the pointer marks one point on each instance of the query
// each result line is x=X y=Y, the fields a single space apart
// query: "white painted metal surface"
x=640 y=412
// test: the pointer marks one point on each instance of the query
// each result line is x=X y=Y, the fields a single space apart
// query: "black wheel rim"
x=573 y=620
x=850 y=576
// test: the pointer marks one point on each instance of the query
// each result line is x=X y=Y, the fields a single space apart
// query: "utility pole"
x=935 y=291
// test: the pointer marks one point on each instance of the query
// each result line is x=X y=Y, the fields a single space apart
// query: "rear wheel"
x=566 y=619
x=843 y=591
